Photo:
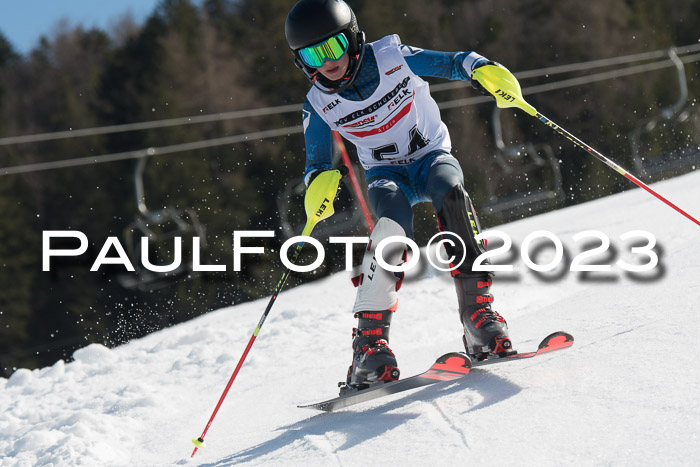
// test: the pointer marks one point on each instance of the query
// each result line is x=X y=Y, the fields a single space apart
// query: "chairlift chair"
x=679 y=159
x=161 y=227
x=513 y=192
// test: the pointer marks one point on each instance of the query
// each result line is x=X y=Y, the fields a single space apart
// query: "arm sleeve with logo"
x=319 y=149
x=448 y=65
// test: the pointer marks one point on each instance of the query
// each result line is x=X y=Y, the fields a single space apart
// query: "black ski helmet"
x=310 y=22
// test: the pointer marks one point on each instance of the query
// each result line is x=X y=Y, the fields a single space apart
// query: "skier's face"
x=334 y=71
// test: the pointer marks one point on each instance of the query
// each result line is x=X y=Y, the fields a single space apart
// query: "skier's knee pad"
x=378 y=288
x=459 y=217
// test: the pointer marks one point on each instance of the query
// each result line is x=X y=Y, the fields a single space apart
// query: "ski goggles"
x=331 y=49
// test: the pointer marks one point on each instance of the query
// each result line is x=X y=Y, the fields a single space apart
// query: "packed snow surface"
x=626 y=393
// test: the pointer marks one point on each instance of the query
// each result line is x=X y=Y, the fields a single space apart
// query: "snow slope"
x=626 y=393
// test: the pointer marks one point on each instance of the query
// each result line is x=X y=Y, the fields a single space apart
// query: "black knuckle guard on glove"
x=342 y=169
x=477 y=85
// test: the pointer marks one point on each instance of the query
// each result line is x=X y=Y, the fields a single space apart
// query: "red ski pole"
x=353 y=180
x=318 y=204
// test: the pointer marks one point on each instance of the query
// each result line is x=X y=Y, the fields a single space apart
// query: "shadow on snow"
x=362 y=425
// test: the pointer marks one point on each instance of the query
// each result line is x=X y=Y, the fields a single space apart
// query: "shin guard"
x=377 y=288
x=459 y=217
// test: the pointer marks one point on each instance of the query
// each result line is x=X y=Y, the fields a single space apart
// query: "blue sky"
x=23 y=22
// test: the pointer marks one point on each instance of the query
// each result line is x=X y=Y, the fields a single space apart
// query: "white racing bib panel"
x=398 y=124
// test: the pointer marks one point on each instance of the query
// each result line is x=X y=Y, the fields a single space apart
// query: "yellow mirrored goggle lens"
x=331 y=49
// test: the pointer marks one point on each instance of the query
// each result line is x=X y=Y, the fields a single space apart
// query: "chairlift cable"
x=298 y=129
x=276 y=110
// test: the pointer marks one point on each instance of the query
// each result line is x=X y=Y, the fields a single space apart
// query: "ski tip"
x=566 y=335
x=557 y=340
x=199 y=442
x=459 y=359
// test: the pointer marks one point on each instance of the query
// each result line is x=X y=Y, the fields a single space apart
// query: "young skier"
x=373 y=95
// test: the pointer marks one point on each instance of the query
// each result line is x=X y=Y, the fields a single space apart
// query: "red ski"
x=449 y=367
x=551 y=343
